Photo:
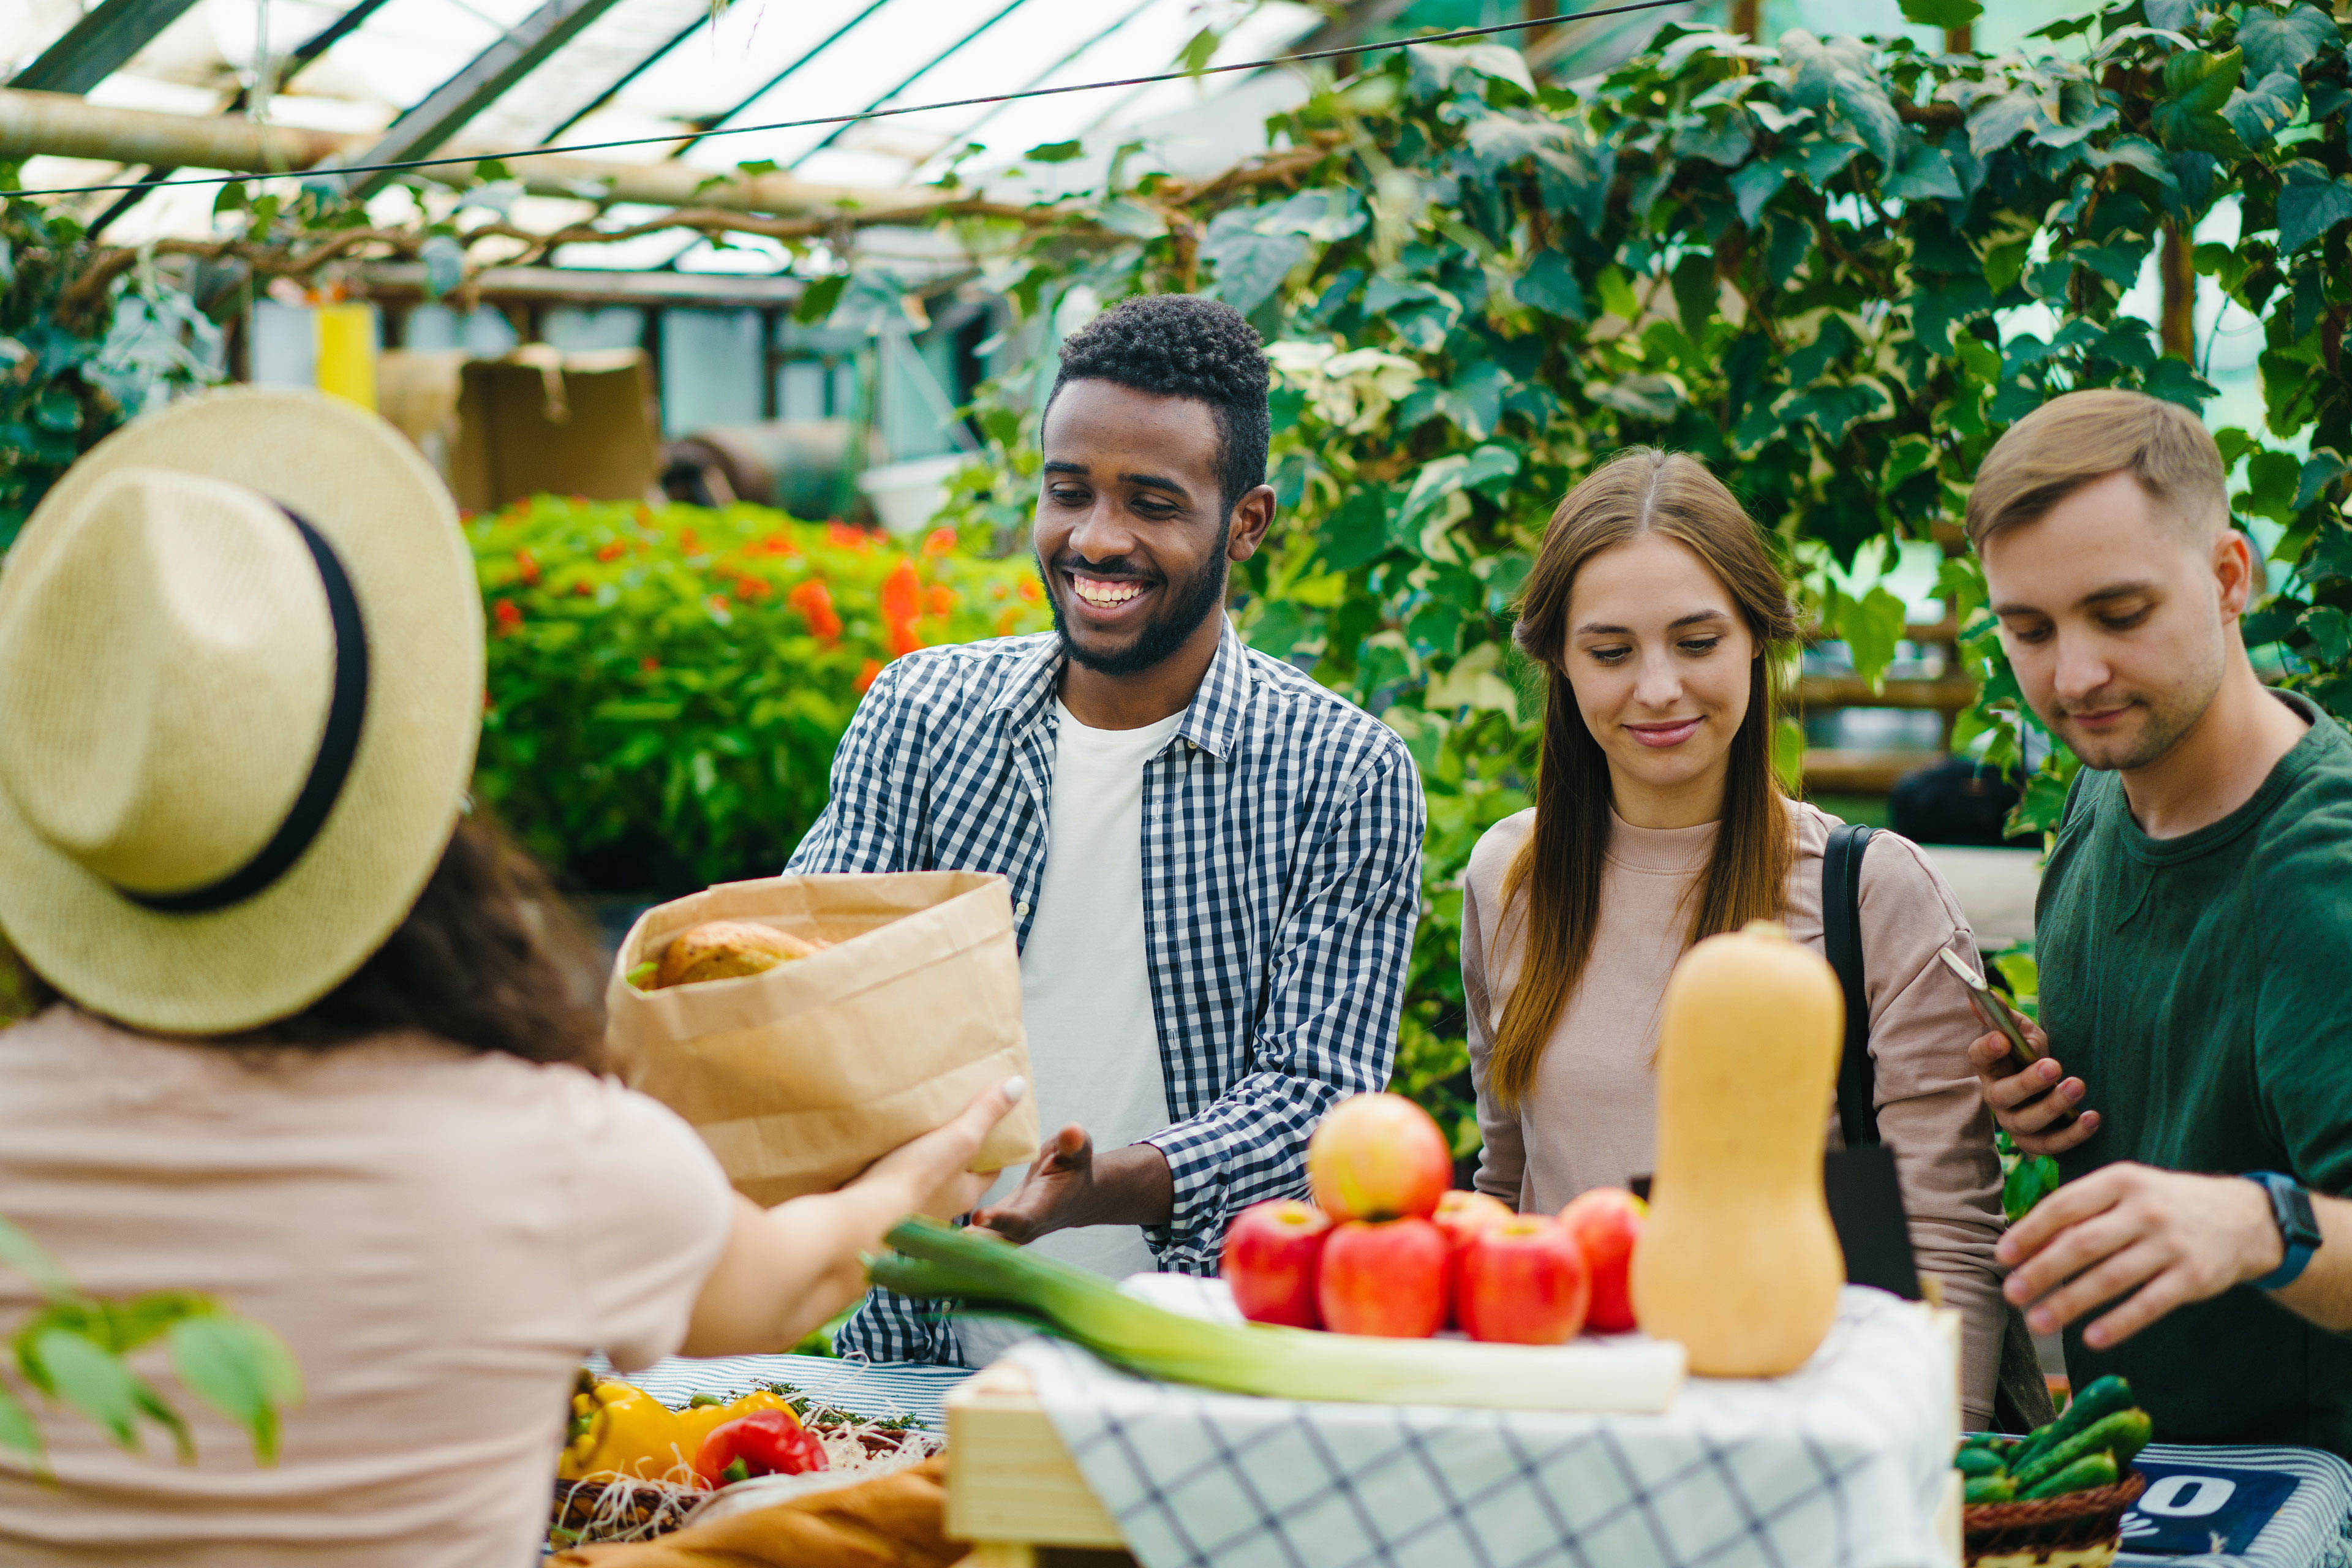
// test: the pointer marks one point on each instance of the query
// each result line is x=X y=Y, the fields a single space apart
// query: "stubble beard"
x=2169 y=717
x=1186 y=605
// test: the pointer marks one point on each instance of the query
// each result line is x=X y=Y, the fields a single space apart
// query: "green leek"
x=988 y=1273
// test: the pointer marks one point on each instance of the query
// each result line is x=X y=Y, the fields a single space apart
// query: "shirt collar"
x=1213 y=721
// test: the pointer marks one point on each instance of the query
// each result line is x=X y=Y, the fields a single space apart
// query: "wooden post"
x=1960 y=40
x=2177 y=318
x=1747 y=17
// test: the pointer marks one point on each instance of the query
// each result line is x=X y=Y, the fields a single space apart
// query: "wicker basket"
x=2079 y=1529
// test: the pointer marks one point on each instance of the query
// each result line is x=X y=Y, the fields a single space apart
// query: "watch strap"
x=2298 y=1227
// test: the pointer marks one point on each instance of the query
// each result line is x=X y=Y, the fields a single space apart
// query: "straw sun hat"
x=240 y=684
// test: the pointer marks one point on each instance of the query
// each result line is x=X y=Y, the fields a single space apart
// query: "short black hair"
x=1181 y=345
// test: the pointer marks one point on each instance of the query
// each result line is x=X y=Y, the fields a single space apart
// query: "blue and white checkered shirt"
x=1282 y=830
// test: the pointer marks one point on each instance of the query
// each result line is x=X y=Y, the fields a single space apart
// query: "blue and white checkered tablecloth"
x=2240 y=1508
x=1842 y=1463
x=882 y=1390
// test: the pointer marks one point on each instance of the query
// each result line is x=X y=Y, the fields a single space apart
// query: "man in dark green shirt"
x=2194 y=933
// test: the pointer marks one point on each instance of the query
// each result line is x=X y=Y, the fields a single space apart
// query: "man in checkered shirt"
x=1215 y=862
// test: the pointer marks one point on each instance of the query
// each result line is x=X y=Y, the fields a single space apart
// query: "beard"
x=1185 y=603
x=2167 y=716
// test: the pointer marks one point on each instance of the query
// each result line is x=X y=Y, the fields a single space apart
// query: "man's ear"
x=2236 y=571
x=1246 y=530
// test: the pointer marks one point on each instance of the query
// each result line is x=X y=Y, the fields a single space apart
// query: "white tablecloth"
x=1844 y=1462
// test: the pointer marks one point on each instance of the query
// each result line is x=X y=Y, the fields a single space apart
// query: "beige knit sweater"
x=1590 y=1115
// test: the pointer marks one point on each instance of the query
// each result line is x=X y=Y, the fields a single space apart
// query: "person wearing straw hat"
x=316 y=1036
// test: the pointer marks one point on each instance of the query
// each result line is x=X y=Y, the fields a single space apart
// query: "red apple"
x=1272 y=1250
x=1524 y=1283
x=1462 y=1215
x=1377 y=1156
x=1385 y=1278
x=1606 y=1222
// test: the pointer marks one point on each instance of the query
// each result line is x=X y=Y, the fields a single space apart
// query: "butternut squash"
x=1737 y=1261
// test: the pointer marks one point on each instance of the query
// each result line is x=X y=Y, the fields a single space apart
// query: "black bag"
x=2021 y=1395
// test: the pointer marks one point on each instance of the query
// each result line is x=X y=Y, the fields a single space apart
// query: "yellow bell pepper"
x=621 y=1431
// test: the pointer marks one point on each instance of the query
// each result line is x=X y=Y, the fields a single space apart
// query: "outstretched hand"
x=1071 y=1185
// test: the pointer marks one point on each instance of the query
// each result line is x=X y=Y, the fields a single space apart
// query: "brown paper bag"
x=800 y=1077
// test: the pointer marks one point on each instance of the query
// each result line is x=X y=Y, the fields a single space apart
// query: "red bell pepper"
x=764 y=1443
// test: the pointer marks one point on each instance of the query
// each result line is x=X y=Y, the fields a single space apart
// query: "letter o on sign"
x=2185 y=1497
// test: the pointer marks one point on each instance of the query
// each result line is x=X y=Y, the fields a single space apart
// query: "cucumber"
x=2120 y=1436
x=1978 y=1462
x=2093 y=1471
x=1988 y=1489
x=2095 y=1403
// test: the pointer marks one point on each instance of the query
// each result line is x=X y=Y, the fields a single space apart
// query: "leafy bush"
x=1833 y=271
x=667 y=685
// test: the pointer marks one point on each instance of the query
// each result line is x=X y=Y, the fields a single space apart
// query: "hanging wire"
x=341 y=170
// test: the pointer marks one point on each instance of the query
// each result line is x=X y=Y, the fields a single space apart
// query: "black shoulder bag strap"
x=1842 y=940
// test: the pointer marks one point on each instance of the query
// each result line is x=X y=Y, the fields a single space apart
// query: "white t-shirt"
x=1086 y=995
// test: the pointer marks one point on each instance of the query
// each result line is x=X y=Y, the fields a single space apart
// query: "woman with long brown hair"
x=1656 y=615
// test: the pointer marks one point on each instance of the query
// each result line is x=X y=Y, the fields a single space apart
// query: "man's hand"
x=2031 y=1104
x=1071 y=1185
x=2162 y=1238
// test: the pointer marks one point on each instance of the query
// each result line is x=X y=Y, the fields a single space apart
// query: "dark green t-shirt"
x=2201 y=986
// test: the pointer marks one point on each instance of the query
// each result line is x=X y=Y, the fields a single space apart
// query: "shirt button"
x=1021 y=909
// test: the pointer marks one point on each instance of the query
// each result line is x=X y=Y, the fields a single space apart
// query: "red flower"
x=718 y=604
x=780 y=544
x=687 y=543
x=526 y=567
x=751 y=587
x=841 y=536
x=941 y=540
x=610 y=550
x=866 y=674
x=941 y=599
x=903 y=639
x=649 y=664
x=1032 y=590
x=901 y=594
x=509 y=614
x=582 y=588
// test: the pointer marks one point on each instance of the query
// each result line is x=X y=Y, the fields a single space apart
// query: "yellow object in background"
x=347 y=353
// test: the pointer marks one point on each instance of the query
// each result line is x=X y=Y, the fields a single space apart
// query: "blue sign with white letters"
x=2191 y=1508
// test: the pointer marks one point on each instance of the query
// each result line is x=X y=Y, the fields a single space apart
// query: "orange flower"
x=526 y=566
x=718 y=604
x=611 y=549
x=866 y=673
x=901 y=594
x=813 y=600
x=751 y=587
x=903 y=639
x=509 y=614
x=999 y=592
x=841 y=536
x=1008 y=620
x=941 y=540
x=687 y=543
x=780 y=544
x=644 y=515
x=581 y=589
x=1032 y=590
x=649 y=664
x=941 y=599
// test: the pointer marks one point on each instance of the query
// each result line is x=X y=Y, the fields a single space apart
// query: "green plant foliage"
x=71 y=369
x=1833 y=271
x=667 y=685
x=76 y=1352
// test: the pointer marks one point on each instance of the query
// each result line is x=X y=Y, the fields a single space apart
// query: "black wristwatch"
x=2298 y=1227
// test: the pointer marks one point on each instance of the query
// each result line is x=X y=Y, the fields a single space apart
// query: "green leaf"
x=89 y=1379
x=2274 y=42
x=30 y=1258
x=819 y=297
x=2000 y=119
x=1753 y=185
x=2196 y=86
x=2321 y=470
x=2032 y=1179
x=1942 y=12
x=2260 y=112
x=2310 y=203
x=18 y=1431
x=1056 y=152
x=1251 y=265
x=1872 y=627
x=241 y=1369
x=445 y=265
x=1551 y=284
x=1865 y=107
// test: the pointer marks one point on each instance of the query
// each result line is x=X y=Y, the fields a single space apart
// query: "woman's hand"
x=788 y=1268
x=930 y=1175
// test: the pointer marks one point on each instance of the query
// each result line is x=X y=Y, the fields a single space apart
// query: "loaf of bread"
x=722 y=950
x=896 y=1520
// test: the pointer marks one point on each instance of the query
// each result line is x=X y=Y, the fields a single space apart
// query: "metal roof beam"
x=911 y=77
x=526 y=47
x=777 y=80
x=98 y=44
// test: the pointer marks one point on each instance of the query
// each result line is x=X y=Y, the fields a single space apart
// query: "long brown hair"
x=1555 y=881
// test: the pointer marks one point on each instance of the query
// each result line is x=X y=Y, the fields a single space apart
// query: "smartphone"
x=1996 y=1012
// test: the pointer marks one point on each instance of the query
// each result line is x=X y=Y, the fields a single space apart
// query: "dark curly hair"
x=1181 y=345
